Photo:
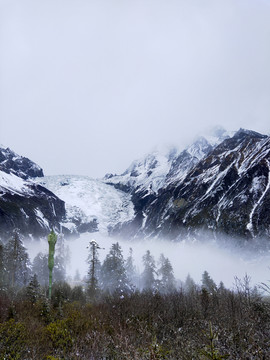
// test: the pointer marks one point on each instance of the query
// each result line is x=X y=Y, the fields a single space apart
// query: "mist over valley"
x=204 y=207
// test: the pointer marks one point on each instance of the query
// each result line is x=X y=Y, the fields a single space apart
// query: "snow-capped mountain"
x=196 y=151
x=160 y=168
x=219 y=183
x=147 y=174
x=228 y=191
x=91 y=205
x=12 y=163
x=24 y=205
x=146 y=178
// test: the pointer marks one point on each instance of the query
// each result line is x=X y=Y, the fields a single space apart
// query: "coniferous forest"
x=115 y=312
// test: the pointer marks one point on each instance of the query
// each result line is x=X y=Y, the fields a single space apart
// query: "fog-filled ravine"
x=223 y=259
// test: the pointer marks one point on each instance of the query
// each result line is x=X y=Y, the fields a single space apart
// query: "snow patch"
x=14 y=184
x=250 y=224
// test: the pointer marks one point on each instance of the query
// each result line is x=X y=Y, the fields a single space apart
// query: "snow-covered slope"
x=196 y=151
x=157 y=172
x=26 y=206
x=12 y=163
x=228 y=191
x=90 y=204
x=147 y=174
x=10 y=183
x=160 y=168
x=219 y=182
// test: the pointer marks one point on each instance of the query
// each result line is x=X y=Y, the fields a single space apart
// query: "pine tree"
x=167 y=281
x=17 y=262
x=189 y=285
x=113 y=273
x=208 y=283
x=33 y=289
x=40 y=267
x=62 y=258
x=131 y=269
x=94 y=269
x=148 y=275
x=221 y=288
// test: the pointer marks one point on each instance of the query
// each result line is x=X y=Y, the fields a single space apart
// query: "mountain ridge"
x=218 y=193
x=219 y=183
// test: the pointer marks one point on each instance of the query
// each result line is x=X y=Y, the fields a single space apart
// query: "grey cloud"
x=105 y=81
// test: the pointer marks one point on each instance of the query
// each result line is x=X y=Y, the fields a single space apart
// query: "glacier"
x=88 y=200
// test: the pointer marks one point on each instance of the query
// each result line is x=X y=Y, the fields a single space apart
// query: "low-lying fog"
x=223 y=263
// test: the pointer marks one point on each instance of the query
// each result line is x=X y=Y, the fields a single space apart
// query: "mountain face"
x=220 y=183
x=225 y=189
x=162 y=167
x=91 y=205
x=147 y=178
x=25 y=205
x=12 y=163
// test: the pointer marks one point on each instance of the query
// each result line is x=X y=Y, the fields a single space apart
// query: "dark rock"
x=12 y=163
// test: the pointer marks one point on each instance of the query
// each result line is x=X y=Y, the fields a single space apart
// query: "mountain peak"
x=245 y=132
x=12 y=163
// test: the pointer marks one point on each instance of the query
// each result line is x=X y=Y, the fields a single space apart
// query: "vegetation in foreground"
x=113 y=318
x=190 y=323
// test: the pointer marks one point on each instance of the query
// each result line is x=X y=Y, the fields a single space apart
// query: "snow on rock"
x=87 y=199
x=28 y=207
x=167 y=165
x=12 y=163
x=256 y=188
x=14 y=184
x=148 y=173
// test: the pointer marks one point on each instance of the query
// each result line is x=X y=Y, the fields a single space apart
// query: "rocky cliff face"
x=226 y=190
x=218 y=184
x=24 y=205
x=12 y=163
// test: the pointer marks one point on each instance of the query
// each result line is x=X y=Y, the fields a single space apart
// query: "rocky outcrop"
x=12 y=163
x=24 y=205
x=34 y=214
x=227 y=190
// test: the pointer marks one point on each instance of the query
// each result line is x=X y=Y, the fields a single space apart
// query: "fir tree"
x=62 y=258
x=40 y=267
x=94 y=269
x=33 y=289
x=189 y=285
x=113 y=272
x=131 y=269
x=167 y=281
x=17 y=262
x=208 y=283
x=148 y=275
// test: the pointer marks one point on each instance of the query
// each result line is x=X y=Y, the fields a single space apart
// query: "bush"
x=59 y=336
x=13 y=340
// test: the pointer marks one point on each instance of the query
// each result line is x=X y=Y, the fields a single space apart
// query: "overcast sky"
x=88 y=86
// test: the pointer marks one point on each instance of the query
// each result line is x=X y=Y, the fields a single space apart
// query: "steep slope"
x=12 y=163
x=228 y=191
x=147 y=178
x=164 y=166
x=147 y=174
x=91 y=204
x=28 y=207
x=218 y=183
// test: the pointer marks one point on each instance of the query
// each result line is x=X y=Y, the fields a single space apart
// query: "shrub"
x=13 y=340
